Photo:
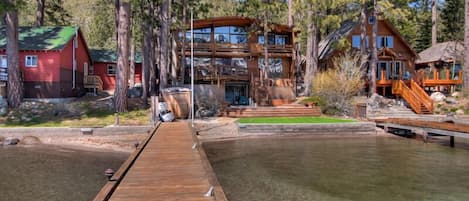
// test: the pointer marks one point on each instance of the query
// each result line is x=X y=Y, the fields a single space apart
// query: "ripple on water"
x=48 y=173
x=333 y=169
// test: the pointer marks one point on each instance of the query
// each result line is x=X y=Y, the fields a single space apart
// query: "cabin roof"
x=236 y=21
x=40 y=38
x=110 y=56
x=447 y=51
x=326 y=46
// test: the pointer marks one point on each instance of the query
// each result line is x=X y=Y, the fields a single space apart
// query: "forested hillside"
x=411 y=17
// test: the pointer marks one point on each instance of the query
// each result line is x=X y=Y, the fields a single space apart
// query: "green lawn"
x=92 y=118
x=292 y=120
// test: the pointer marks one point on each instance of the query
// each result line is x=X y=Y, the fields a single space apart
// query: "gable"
x=349 y=29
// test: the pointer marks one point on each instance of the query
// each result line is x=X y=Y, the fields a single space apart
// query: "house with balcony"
x=439 y=66
x=396 y=75
x=229 y=56
x=53 y=61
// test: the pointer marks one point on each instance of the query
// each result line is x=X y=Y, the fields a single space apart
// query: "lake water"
x=48 y=173
x=340 y=169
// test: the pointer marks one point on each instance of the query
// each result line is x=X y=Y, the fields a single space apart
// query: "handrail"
x=410 y=97
x=94 y=80
x=422 y=95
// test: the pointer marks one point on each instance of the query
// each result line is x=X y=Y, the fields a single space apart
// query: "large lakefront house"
x=52 y=61
x=396 y=74
x=229 y=58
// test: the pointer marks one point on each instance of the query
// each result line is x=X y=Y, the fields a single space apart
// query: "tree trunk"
x=15 y=86
x=173 y=58
x=466 y=48
x=363 y=48
x=290 y=13
x=266 y=50
x=310 y=35
x=434 y=22
x=132 y=62
x=146 y=51
x=374 y=51
x=122 y=77
x=40 y=12
x=164 y=44
x=182 y=66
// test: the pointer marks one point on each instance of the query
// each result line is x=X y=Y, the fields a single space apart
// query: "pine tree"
x=56 y=14
x=452 y=18
x=15 y=92
x=120 y=94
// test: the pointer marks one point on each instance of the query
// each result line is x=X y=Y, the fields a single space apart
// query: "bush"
x=316 y=100
x=339 y=84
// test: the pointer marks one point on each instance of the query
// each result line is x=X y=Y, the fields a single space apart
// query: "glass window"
x=389 y=41
x=200 y=35
x=275 y=67
x=111 y=69
x=3 y=61
x=231 y=65
x=31 y=61
x=397 y=69
x=230 y=34
x=356 y=41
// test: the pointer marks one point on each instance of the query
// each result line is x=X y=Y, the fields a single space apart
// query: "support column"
x=451 y=141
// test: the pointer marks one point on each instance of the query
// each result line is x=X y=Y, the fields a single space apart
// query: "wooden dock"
x=426 y=128
x=169 y=165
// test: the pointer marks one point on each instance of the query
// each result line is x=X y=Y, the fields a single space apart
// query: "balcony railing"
x=253 y=48
x=442 y=77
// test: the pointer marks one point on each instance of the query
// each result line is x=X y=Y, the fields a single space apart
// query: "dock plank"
x=167 y=169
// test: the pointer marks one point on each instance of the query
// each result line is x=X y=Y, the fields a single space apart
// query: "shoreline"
x=117 y=139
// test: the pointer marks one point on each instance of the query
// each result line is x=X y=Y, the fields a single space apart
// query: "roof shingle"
x=40 y=38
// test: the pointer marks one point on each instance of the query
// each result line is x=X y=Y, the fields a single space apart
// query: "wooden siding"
x=109 y=81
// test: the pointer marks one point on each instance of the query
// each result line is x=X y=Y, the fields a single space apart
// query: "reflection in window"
x=274 y=39
x=200 y=35
x=3 y=61
x=232 y=65
x=275 y=67
x=230 y=34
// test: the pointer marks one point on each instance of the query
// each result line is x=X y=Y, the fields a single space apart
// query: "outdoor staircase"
x=414 y=95
x=93 y=82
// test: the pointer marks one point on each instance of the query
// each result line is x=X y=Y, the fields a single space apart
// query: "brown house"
x=395 y=74
x=440 y=65
x=229 y=57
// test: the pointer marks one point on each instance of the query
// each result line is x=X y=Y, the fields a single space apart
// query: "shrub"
x=316 y=100
x=337 y=85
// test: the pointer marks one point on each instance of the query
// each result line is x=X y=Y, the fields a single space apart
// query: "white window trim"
x=26 y=60
x=107 y=69
x=6 y=61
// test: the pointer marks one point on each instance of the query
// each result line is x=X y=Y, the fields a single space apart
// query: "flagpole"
x=192 y=68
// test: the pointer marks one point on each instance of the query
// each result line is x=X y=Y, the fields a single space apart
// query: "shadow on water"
x=45 y=173
x=361 y=168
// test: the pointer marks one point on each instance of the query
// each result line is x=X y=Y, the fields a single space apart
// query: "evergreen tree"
x=56 y=14
x=452 y=17
x=101 y=34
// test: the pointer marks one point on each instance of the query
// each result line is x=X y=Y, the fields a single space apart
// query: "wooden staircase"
x=93 y=82
x=414 y=95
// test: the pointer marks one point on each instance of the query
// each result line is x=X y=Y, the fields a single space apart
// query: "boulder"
x=459 y=112
x=438 y=96
x=456 y=94
x=451 y=100
x=135 y=92
x=30 y=140
x=11 y=141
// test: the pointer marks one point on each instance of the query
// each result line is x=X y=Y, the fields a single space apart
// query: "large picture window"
x=230 y=34
x=200 y=35
x=31 y=61
x=274 y=39
x=275 y=67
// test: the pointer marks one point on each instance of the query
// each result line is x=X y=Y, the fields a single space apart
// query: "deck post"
x=451 y=141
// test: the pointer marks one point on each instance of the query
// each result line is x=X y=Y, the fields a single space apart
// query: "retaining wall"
x=357 y=128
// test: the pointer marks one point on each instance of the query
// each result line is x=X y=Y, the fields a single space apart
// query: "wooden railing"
x=93 y=81
x=415 y=96
x=436 y=78
x=228 y=47
x=422 y=95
